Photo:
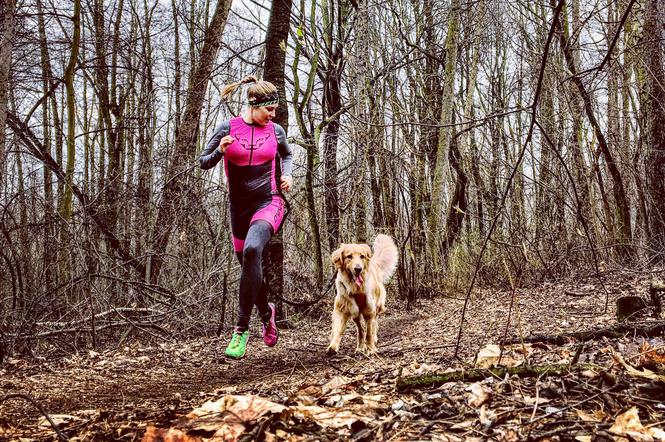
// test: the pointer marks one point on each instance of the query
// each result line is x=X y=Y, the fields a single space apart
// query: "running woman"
x=249 y=145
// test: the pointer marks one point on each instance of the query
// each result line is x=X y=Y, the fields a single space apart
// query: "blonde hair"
x=259 y=90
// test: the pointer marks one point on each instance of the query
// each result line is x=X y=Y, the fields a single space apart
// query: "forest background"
x=499 y=142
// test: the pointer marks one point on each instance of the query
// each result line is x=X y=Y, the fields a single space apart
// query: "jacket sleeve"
x=284 y=150
x=211 y=154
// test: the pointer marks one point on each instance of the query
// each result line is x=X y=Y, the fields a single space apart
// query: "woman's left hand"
x=287 y=182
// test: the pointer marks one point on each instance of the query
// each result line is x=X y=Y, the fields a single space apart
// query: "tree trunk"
x=445 y=132
x=360 y=128
x=66 y=205
x=273 y=71
x=177 y=78
x=576 y=107
x=7 y=13
x=655 y=78
x=459 y=202
x=310 y=135
x=109 y=104
x=170 y=210
x=49 y=246
x=331 y=194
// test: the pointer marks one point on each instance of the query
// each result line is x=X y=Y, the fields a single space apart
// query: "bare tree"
x=654 y=32
x=273 y=71
x=7 y=12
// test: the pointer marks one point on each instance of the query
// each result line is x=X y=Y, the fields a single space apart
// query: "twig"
x=610 y=49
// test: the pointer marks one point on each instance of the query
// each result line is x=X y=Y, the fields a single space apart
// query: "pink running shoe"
x=269 y=329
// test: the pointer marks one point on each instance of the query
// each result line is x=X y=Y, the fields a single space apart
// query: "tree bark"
x=445 y=132
x=273 y=71
x=330 y=138
x=66 y=204
x=359 y=64
x=7 y=14
x=653 y=31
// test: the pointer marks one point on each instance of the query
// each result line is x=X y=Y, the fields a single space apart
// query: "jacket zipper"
x=251 y=147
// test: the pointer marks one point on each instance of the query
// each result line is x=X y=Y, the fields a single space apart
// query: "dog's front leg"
x=372 y=328
x=338 y=326
x=361 y=347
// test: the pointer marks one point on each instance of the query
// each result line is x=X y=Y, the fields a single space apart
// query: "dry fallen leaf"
x=225 y=418
x=486 y=416
x=446 y=438
x=58 y=420
x=528 y=400
x=245 y=408
x=335 y=384
x=628 y=425
x=463 y=425
x=596 y=416
x=418 y=369
x=170 y=435
x=309 y=395
x=652 y=354
x=330 y=417
x=491 y=356
x=488 y=356
x=479 y=394
x=644 y=373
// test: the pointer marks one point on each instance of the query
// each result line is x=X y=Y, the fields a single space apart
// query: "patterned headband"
x=265 y=100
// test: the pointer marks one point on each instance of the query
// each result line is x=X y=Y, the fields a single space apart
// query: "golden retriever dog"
x=361 y=294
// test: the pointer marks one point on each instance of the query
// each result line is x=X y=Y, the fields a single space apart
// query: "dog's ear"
x=367 y=251
x=336 y=256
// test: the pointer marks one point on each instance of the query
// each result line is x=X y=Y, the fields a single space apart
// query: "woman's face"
x=263 y=114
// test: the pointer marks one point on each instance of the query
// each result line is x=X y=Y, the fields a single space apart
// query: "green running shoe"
x=238 y=345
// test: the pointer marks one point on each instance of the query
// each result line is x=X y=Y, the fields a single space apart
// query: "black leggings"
x=252 y=291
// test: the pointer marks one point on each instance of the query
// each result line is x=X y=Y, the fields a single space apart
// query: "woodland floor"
x=295 y=392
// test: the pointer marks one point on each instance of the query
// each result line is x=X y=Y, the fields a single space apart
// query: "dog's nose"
x=357 y=269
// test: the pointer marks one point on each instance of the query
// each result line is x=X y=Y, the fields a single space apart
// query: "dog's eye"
x=362 y=256
x=349 y=256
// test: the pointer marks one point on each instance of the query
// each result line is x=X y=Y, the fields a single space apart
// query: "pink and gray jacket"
x=249 y=163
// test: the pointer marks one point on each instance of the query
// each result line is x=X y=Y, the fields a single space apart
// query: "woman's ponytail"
x=231 y=88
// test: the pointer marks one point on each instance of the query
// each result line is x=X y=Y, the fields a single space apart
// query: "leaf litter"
x=613 y=388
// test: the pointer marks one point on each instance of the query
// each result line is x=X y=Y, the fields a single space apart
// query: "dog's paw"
x=331 y=351
x=372 y=350
x=361 y=350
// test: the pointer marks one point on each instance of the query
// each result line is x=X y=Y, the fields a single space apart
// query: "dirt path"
x=137 y=385
x=145 y=380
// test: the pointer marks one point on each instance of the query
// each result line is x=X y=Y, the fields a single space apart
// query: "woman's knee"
x=251 y=252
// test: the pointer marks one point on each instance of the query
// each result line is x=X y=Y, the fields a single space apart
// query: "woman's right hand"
x=224 y=143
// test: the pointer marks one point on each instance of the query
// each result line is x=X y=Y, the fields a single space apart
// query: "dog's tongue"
x=359 y=280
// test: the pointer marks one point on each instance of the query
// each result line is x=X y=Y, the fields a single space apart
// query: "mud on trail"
x=118 y=394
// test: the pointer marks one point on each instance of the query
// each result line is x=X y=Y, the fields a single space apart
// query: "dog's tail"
x=385 y=256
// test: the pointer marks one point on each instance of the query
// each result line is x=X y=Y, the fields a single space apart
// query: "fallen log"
x=478 y=374
x=649 y=329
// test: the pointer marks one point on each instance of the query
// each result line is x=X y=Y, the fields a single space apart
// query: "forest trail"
x=117 y=394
